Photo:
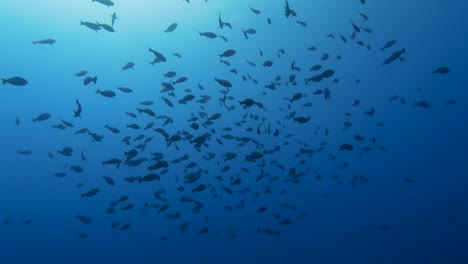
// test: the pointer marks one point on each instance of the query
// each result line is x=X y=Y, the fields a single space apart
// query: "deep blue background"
x=425 y=222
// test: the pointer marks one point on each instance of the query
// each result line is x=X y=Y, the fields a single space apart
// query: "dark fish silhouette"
x=15 y=81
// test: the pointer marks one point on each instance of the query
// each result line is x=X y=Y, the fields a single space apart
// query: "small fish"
x=256 y=11
x=159 y=56
x=84 y=219
x=388 y=44
x=81 y=73
x=210 y=35
x=106 y=93
x=89 y=79
x=125 y=89
x=91 y=25
x=441 y=70
x=228 y=53
x=90 y=193
x=114 y=17
x=42 y=117
x=15 y=81
x=224 y=83
x=106 y=27
x=127 y=66
x=104 y=2
x=45 y=41
x=171 y=28
x=77 y=112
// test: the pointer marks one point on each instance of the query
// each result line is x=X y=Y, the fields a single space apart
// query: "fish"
x=109 y=180
x=15 y=81
x=106 y=27
x=302 y=23
x=170 y=74
x=267 y=63
x=112 y=129
x=388 y=44
x=167 y=102
x=288 y=11
x=41 y=117
x=199 y=188
x=395 y=55
x=186 y=99
x=171 y=28
x=77 y=112
x=159 y=56
x=441 y=70
x=210 y=35
x=89 y=80
x=224 y=83
x=248 y=32
x=128 y=65
x=81 y=73
x=66 y=151
x=347 y=147
x=125 y=89
x=355 y=27
x=180 y=80
x=256 y=11
x=114 y=17
x=125 y=227
x=90 y=193
x=106 y=93
x=422 y=104
x=84 y=219
x=146 y=111
x=107 y=3
x=24 y=152
x=45 y=41
x=91 y=25
x=227 y=53
x=149 y=178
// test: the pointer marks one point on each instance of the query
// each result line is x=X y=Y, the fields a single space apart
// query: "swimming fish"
x=45 y=41
x=15 y=81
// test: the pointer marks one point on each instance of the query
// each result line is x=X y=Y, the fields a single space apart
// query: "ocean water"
x=344 y=153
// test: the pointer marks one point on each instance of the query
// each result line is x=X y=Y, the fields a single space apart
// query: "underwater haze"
x=233 y=131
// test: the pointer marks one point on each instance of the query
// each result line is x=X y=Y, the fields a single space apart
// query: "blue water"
x=399 y=199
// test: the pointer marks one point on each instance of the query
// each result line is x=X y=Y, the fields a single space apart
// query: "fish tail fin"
x=82 y=195
x=34 y=42
x=95 y=79
x=4 y=81
x=98 y=91
x=200 y=33
x=34 y=120
x=81 y=22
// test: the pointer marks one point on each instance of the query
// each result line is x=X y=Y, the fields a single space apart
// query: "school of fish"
x=187 y=163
